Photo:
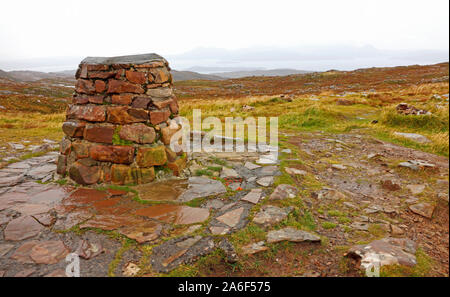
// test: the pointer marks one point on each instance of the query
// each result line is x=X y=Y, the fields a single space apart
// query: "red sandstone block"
x=73 y=128
x=81 y=149
x=96 y=99
x=100 y=86
x=158 y=117
x=161 y=75
x=141 y=102
x=136 y=77
x=92 y=113
x=85 y=86
x=84 y=175
x=119 y=86
x=80 y=99
x=97 y=67
x=174 y=106
x=160 y=104
x=112 y=153
x=122 y=99
x=101 y=74
x=102 y=133
x=150 y=65
x=126 y=115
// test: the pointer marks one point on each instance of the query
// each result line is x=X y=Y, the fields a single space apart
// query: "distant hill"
x=271 y=72
x=190 y=75
x=27 y=75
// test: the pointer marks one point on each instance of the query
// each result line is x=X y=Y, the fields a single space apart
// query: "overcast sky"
x=69 y=30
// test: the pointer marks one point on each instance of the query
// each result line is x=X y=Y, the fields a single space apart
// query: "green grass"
x=328 y=225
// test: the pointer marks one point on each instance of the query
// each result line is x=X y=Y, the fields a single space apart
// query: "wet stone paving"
x=42 y=221
x=153 y=229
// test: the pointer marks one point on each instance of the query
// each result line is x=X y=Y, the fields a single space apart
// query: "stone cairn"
x=119 y=125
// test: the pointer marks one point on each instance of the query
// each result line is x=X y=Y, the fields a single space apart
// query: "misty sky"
x=312 y=35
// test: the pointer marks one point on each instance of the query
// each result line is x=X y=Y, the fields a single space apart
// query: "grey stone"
x=133 y=59
x=413 y=136
x=265 y=181
x=291 y=234
x=270 y=215
x=202 y=187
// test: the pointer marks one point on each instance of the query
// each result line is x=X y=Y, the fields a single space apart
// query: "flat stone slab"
x=176 y=214
x=49 y=252
x=386 y=251
x=424 y=209
x=22 y=228
x=291 y=234
x=144 y=232
x=284 y=191
x=231 y=218
x=130 y=59
x=40 y=172
x=251 y=166
x=265 y=181
x=184 y=250
x=295 y=171
x=202 y=187
x=253 y=196
x=168 y=190
x=270 y=215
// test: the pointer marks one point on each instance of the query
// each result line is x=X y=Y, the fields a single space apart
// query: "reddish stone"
x=150 y=65
x=80 y=99
x=80 y=149
x=84 y=175
x=100 y=86
x=122 y=99
x=49 y=252
x=126 y=115
x=96 y=99
x=85 y=196
x=113 y=153
x=158 y=117
x=174 y=106
x=73 y=128
x=160 y=104
x=111 y=222
x=119 y=86
x=161 y=75
x=177 y=214
x=8 y=200
x=161 y=93
x=151 y=156
x=177 y=166
x=116 y=192
x=92 y=113
x=99 y=133
x=139 y=133
x=22 y=254
x=120 y=74
x=96 y=67
x=22 y=228
x=141 y=102
x=85 y=86
x=171 y=155
x=101 y=74
x=136 y=77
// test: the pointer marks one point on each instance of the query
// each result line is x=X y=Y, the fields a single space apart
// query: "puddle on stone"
x=177 y=214
x=168 y=190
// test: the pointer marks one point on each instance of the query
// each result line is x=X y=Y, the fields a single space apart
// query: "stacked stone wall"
x=119 y=125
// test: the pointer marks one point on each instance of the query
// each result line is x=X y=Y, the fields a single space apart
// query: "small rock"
x=253 y=196
x=390 y=185
x=295 y=171
x=270 y=215
x=130 y=269
x=291 y=234
x=396 y=230
x=254 y=248
x=283 y=191
x=424 y=209
x=416 y=189
x=251 y=166
x=265 y=181
x=338 y=166
x=386 y=251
